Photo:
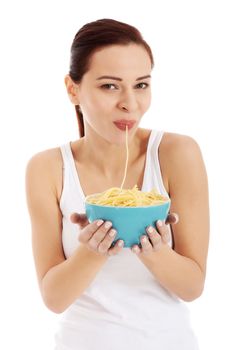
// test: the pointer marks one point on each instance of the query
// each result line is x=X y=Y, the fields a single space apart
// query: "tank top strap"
x=153 y=169
x=156 y=138
x=65 y=154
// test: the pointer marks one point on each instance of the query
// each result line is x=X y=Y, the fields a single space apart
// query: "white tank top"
x=124 y=307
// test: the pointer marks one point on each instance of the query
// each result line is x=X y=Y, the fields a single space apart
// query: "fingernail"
x=112 y=233
x=136 y=250
x=99 y=222
x=150 y=229
x=159 y=222
x=120 y=243
x=108 y=224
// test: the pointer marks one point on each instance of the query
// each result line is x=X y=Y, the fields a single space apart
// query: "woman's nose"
x=128 y=102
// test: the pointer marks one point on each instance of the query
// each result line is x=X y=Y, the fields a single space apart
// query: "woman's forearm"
x=178 y=274
x=66 y=281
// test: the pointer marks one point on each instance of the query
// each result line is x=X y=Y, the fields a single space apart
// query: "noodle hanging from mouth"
x=119 y=197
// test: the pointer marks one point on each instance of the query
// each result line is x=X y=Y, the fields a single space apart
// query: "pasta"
x=119 y=197
x=127 y=198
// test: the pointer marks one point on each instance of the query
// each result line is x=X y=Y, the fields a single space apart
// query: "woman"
x=113 y=297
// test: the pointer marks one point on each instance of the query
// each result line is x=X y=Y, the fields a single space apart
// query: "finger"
x=105 y=244
x=88 y=231
x=117 y=247
x=146 y=245
x=172 y=218
x=155 y=238
x=163 y=229
x=80 y=219
x=99 y=235
x=136 y=249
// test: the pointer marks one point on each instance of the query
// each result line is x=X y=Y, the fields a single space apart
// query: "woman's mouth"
x=122 y=124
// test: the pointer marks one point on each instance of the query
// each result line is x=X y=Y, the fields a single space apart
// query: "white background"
x=193 y=90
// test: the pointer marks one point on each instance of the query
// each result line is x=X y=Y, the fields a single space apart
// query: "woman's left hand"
x=155 y=239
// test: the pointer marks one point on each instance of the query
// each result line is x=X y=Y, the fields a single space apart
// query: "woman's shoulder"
x=176 y=153
x=179 y=152
x=177 y=140
x=175 y=144
x=49 y=157
x=175 y=149
x=48 y=164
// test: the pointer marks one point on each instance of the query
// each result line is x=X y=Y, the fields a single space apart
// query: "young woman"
x=113 y=297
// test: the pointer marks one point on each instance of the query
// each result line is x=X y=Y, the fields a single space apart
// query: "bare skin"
x=104 y=100
x=99 y=240
x=183 y=172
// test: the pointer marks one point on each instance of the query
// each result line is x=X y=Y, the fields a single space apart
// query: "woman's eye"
x=143 y=85
x=140 y=86
x=108 y=86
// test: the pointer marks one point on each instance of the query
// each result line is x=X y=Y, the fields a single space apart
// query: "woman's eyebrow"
x=119 y=79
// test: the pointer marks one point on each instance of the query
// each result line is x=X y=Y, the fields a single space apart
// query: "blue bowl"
x=129 y=222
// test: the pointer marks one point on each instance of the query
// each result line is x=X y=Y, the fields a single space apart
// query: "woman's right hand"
x=97 y=238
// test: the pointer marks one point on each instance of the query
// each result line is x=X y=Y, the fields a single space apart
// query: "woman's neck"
x=107 y=158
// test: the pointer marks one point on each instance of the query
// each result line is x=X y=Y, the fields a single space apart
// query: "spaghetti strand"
x=119 y=197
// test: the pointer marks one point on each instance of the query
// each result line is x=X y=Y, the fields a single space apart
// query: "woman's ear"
x=72 y=89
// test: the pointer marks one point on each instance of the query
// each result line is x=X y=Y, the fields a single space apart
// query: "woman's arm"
x=61 y=280
x=182 y=270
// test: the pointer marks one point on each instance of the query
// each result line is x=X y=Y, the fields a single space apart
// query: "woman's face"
x=117 y=86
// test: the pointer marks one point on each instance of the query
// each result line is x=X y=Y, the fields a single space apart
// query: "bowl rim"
x=121 y=207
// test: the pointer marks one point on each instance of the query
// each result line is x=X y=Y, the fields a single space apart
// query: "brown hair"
x=95 y=35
